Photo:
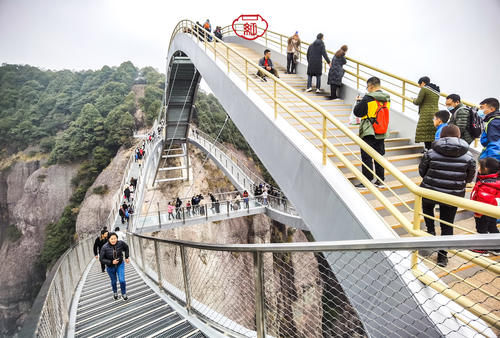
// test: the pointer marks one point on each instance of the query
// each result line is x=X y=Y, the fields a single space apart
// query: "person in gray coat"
x=336 y=72
x=315 y=52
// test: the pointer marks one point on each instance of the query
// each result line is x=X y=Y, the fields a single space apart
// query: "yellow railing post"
x=215 y=50
x=357 y=76
x=266 y=38
x=404 y=93
x=246 y=73
x=281 y=44
x=324 y=140
x=275 y=102
x=205 y=41
x=417 y=210
x=227 y=58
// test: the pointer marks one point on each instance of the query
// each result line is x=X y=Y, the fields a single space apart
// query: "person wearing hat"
x=292 y=53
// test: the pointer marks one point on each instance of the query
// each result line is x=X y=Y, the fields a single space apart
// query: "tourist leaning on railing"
x=447 y=168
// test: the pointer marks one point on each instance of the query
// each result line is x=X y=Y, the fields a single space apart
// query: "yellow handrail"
x=413 y=227
x=357 y=62
x=478 y=207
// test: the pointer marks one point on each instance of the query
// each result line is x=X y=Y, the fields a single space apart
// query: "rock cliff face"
x=225 y=280
x=95 y=208
x=302 y=296
x=12 y=181
x=33 y=198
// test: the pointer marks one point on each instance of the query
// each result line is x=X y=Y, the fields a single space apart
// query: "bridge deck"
x=144 y=314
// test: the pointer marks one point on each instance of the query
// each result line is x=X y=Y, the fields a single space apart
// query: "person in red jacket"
x=487 y=190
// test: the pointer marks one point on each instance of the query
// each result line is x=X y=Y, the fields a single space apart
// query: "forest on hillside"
x=85 y=117
x=73 y=117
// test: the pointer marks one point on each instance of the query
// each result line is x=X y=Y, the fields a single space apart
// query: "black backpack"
x=476 y=125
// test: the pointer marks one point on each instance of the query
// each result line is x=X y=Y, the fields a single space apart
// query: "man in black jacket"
x=447 y=168
x=99 y=243
x=315 y=52
x=112 y=255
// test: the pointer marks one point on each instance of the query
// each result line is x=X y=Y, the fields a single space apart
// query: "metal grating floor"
x=144 y=314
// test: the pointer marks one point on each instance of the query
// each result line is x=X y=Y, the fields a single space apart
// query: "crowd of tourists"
x=447 y=164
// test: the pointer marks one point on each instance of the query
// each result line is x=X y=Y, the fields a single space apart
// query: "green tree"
x=119 y=125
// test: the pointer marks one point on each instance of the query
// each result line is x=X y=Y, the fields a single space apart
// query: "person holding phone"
x=112 y=255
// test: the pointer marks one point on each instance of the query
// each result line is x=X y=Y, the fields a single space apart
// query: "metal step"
x=172 y=168
x=173 y=156
x=169 y=179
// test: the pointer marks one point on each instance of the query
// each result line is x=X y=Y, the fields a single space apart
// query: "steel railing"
x=207 y=211
x=248 y=179
x=225 y=52
x=49 y=315
x=244 y=67
x=290 y=290
x=357 y=72
x=50 y=312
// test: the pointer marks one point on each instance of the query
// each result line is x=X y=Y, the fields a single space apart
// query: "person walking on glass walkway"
x=112 y=255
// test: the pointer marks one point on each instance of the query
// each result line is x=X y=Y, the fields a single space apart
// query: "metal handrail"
x=421 y=192
x=231 y=154
x=412 y=226
x=403 y=243
x=284 y=38
x=400 y=244
x=51 y=299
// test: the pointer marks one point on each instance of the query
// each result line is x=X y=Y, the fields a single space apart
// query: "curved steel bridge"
x=362 y=277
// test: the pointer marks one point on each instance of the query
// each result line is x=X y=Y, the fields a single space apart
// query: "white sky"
x=455 y=42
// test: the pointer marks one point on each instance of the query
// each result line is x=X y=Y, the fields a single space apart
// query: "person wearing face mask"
x=460 y=116
x=292 y=51
x=490 y=139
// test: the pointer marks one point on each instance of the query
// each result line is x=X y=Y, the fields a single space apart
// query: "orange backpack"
x=381 y=121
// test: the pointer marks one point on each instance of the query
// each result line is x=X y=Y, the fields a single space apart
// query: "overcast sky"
x=455 y=42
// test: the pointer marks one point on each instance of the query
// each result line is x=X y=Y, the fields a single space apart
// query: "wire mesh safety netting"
x=333 y=293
